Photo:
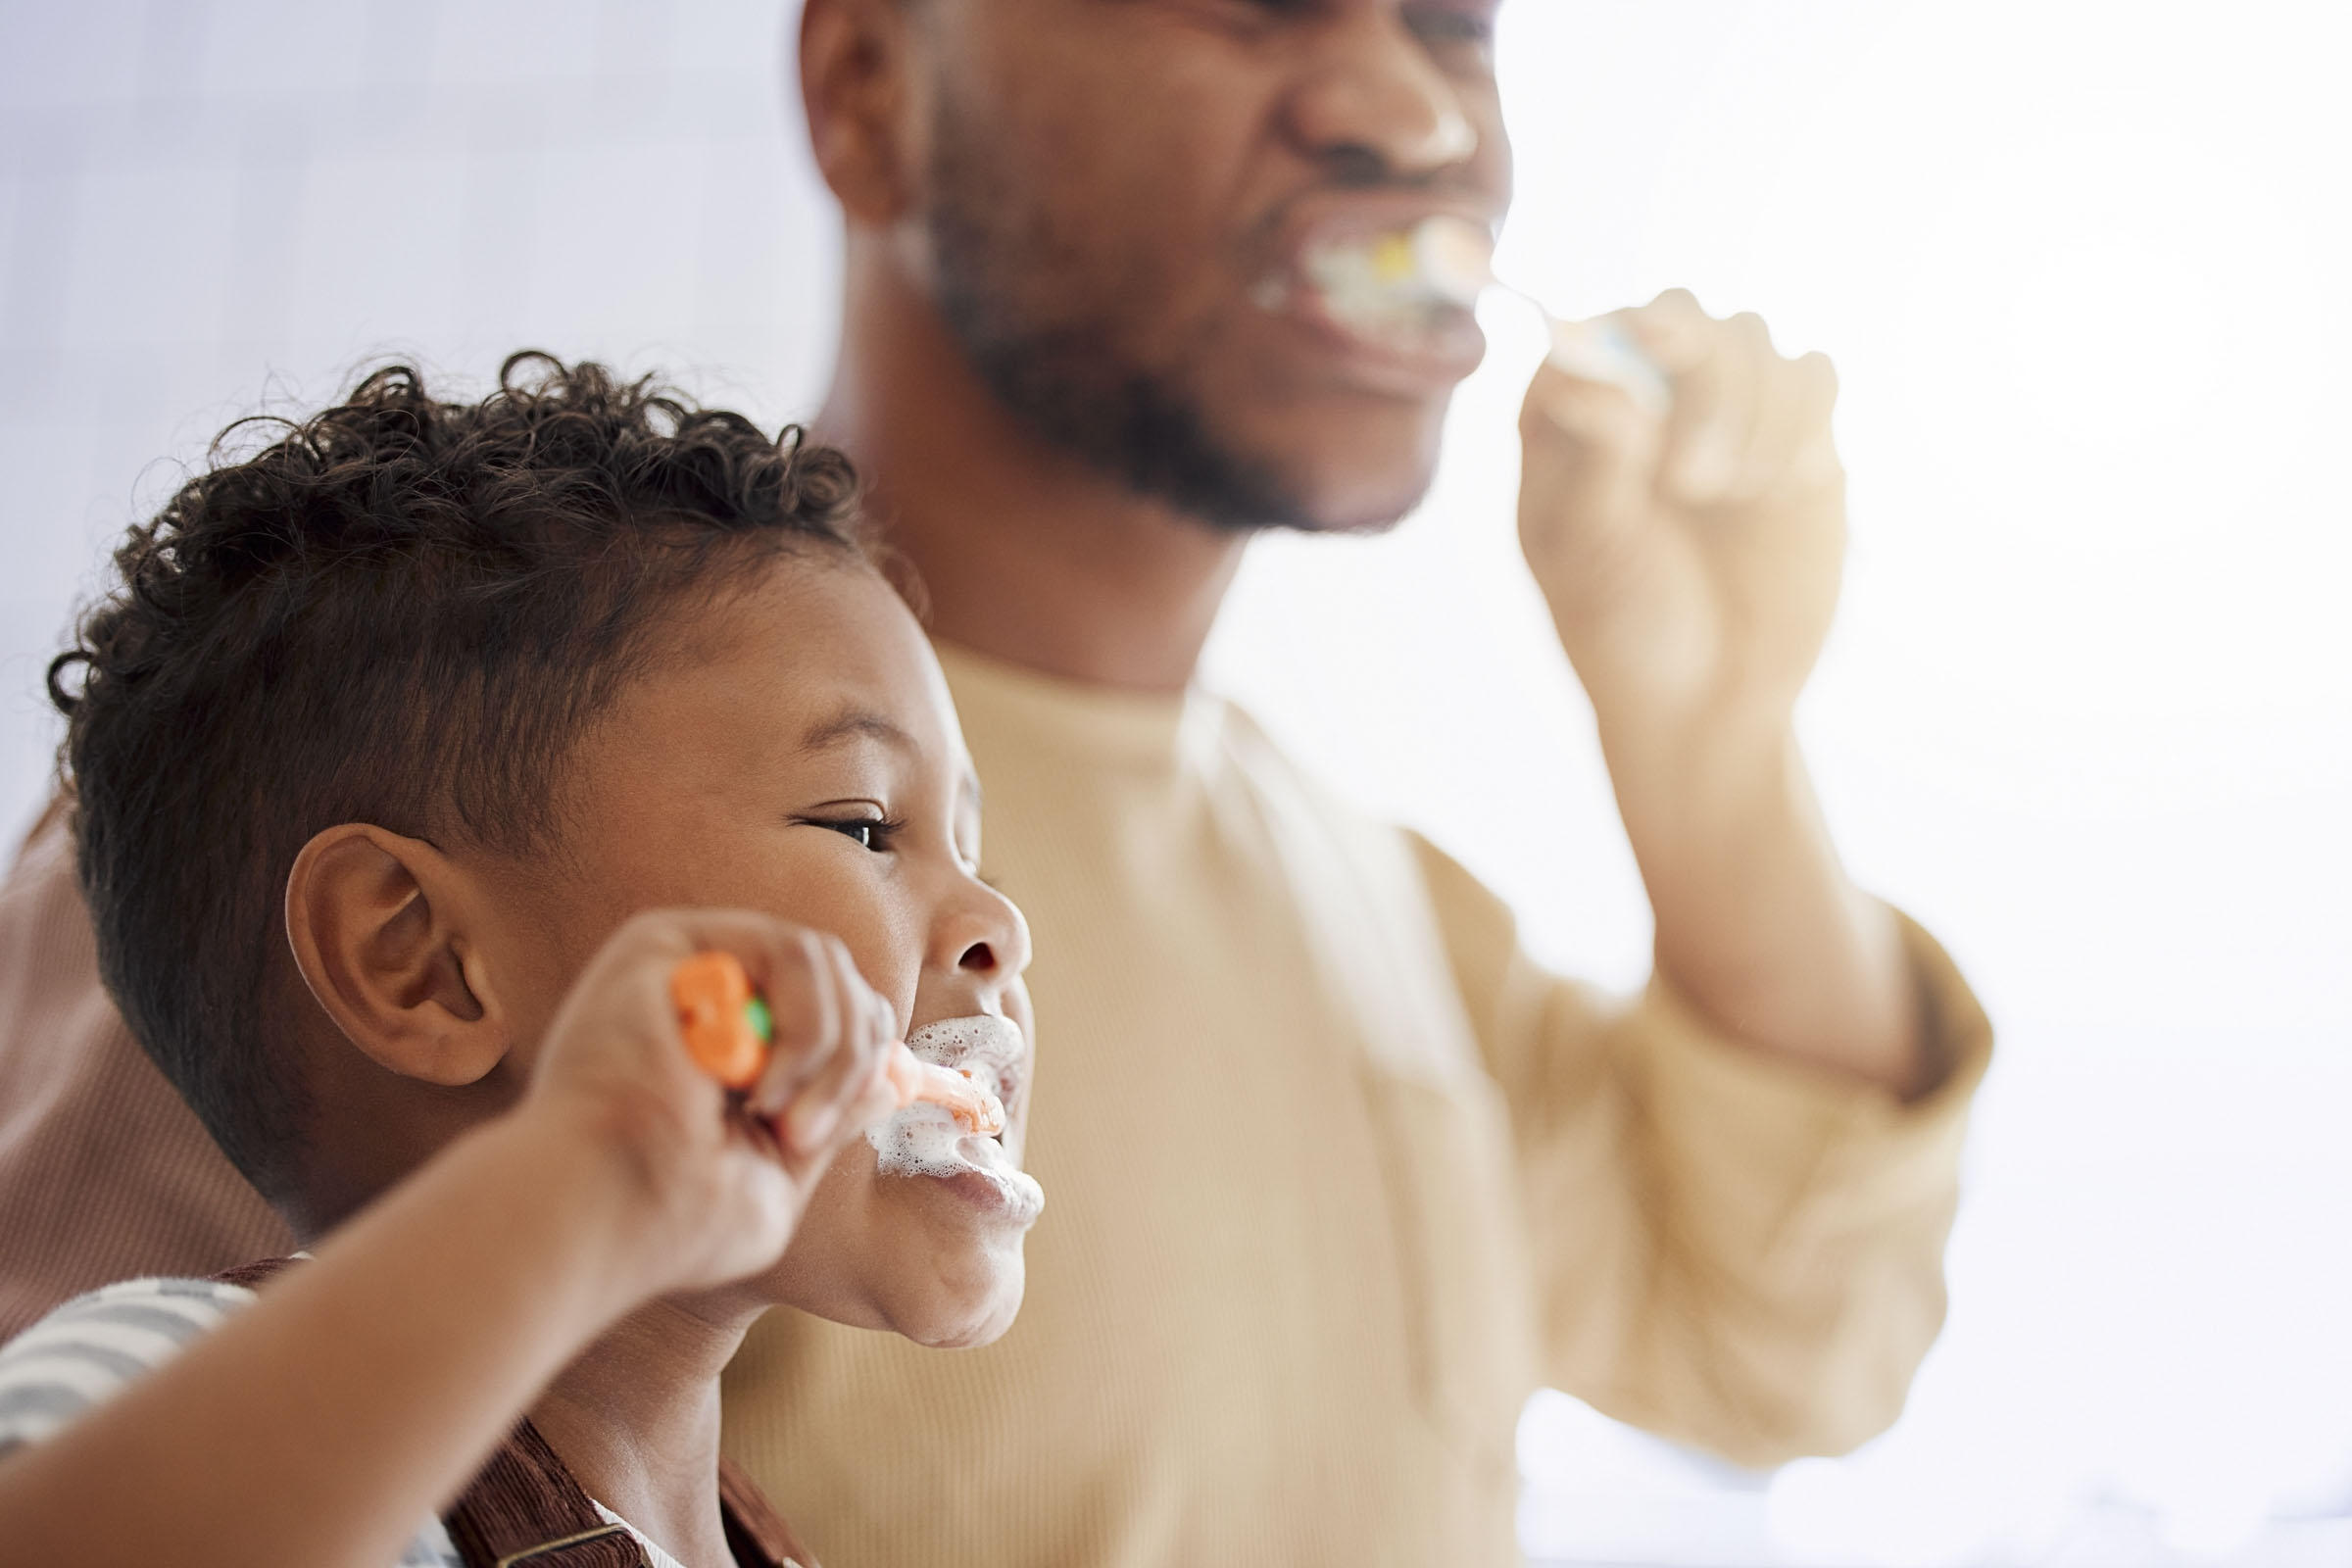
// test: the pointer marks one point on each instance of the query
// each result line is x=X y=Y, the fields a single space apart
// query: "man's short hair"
x=402 y=611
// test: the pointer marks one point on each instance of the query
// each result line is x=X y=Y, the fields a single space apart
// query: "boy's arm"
x=321 y=1425
x=362 y=1392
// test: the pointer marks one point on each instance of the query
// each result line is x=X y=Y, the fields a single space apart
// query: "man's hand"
x=1691 y=556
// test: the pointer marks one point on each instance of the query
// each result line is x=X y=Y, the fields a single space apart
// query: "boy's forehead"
x=808 y=657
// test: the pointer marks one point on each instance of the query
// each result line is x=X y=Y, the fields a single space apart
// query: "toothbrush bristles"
x=1454 y=259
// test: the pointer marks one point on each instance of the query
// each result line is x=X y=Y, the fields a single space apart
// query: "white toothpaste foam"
x=924 y=1140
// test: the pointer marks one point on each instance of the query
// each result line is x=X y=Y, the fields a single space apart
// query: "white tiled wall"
x=208 y=206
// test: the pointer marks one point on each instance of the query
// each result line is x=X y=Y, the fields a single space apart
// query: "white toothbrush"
x=1452 y=260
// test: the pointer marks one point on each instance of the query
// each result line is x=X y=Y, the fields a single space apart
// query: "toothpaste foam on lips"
x=924 y=1140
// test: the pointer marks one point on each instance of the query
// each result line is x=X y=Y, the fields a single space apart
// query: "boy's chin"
x=969 y=1304
x=944 y=1282
x=912 y=1255
x=969 y=1322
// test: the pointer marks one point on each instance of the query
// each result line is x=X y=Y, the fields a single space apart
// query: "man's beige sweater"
x=1334 y=1177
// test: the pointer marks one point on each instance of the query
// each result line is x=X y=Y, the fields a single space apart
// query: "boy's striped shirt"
x=95 y=1345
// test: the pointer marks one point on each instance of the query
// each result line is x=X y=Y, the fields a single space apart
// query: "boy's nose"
x=987 y=934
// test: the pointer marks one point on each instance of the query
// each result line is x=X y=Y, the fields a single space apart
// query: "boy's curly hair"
x=402 y=611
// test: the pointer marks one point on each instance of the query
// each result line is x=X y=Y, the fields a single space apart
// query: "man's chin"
x=1369 y=515
x=1360 y=502
x=1356 y=468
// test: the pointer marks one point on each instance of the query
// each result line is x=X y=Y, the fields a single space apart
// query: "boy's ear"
x=859 y=93
x=381 y=930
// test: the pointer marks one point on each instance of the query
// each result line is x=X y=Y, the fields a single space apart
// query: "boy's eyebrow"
x=851 y=723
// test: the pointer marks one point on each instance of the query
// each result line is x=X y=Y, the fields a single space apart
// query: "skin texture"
x=1147 y=162
x=616 y=1219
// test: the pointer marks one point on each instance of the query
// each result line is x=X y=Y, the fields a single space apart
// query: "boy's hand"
x=722 y=1190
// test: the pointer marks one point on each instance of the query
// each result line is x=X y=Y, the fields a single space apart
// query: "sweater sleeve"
x=1730 y=1250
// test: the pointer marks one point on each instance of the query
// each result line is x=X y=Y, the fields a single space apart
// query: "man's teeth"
x=1402 y=280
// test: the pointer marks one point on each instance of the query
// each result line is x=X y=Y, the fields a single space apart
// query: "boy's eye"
x=870 y=833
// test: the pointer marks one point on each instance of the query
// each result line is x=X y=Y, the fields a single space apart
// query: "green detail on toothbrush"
x=762 y=1022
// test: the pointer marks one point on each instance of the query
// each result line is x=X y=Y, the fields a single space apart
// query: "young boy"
x=390 y=737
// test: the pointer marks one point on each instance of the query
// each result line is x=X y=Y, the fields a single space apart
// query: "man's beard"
x=1061 y=372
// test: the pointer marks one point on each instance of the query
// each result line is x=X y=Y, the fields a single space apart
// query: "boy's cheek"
x=824 y=1269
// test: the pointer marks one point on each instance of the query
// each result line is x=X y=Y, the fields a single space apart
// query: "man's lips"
x=1336 y=273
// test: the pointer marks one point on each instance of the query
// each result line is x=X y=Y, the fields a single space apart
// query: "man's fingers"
x=1718 y=394
x=1672 y=329
x=1747 y=422
x=1789 y=449
x=1590 y=452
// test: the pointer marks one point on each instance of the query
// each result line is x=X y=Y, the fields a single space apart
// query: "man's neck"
x=1026 y=553
x=635 y=1419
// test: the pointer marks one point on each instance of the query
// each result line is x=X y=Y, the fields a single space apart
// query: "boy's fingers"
x=809 y=1014
x=824 y=1070
x=873 y=1069
x=815 y=1116
x=874 y=1105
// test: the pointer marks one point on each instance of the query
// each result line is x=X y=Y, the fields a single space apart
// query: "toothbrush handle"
x=723 y=1029
x=1600 y=350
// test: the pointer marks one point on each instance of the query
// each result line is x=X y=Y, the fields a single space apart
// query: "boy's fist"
x=722 y=1190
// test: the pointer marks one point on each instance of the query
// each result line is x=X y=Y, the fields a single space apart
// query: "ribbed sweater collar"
x=1077 y=720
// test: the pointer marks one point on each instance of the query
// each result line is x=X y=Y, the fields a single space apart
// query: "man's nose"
x=1374 y=106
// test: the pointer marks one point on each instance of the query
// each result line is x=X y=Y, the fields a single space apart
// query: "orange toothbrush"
x=727 y=1027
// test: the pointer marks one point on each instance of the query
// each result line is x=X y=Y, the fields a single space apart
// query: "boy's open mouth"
x=925 y=1140
x=983 y=1046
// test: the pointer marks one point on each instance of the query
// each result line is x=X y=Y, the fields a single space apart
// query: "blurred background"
x=2087 y=712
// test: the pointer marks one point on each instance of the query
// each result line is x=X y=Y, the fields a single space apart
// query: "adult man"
x=1281 y=1307
x=1337 y=1176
